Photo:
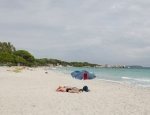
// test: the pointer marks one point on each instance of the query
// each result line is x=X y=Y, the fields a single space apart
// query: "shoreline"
x=32 y=91
x=134 y=82
x=126 y=84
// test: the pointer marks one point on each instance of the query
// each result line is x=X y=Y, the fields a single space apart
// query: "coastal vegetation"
x=11 y=57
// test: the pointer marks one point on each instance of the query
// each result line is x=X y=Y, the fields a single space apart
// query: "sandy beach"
x=30 y=91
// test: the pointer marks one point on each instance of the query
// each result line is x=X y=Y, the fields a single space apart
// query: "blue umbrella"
x=83 y=75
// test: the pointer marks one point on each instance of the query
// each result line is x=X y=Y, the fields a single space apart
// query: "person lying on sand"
x=71 y=89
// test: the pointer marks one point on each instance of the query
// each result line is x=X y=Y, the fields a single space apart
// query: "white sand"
x=32 y=92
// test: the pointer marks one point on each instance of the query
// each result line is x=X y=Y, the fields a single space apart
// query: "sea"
x=130 y=76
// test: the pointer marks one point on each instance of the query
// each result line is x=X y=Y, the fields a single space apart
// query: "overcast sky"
x=96 y=31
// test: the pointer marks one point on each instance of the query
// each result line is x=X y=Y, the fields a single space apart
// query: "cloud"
x=110 y=31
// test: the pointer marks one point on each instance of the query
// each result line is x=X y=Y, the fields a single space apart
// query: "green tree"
x=41 y=62
x=6 y=58
x=19 y=60
x=7 y=47
x=29 y=58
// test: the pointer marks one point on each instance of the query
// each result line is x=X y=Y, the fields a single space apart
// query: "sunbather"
x=71 y=89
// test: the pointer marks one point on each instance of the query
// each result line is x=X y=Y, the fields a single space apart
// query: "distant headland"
x=9 y=56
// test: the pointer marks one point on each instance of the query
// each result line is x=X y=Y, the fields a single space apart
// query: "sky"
x=95 y=31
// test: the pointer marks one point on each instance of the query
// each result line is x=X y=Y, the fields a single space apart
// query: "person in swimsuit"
x=68 y=89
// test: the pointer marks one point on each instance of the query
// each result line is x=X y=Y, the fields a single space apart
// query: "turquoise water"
x=133 y=76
